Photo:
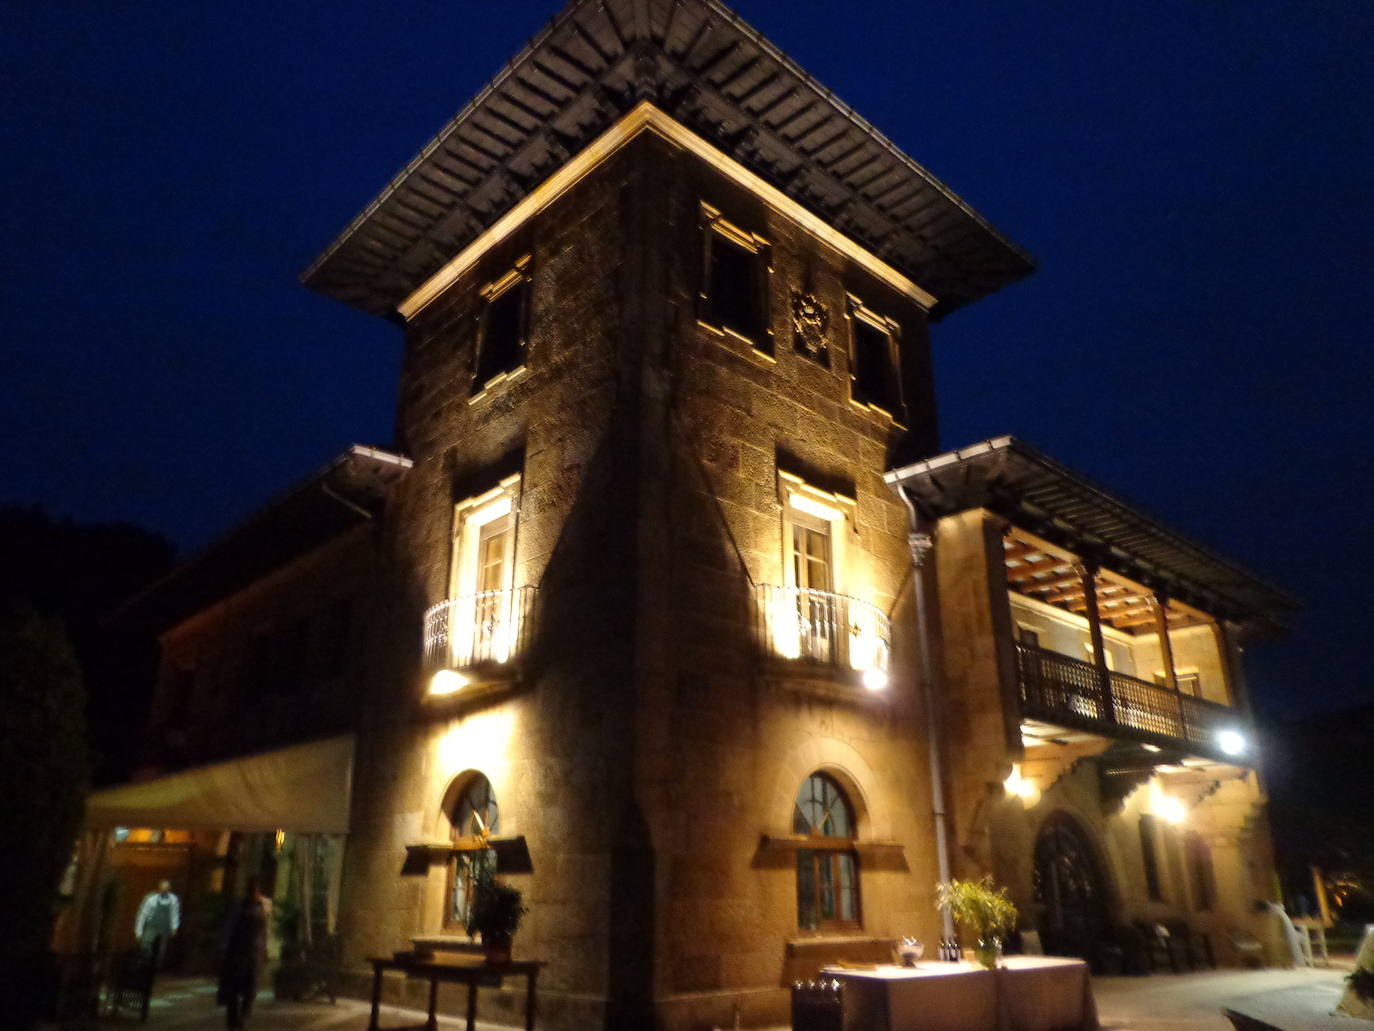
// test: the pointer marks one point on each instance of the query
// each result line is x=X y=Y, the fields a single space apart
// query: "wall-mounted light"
x=875 y=679
x=447 y=681
x=1231 y=741
x=1167 y=807
x=1019 y=786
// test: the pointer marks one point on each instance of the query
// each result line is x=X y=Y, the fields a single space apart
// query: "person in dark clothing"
x=245 y=954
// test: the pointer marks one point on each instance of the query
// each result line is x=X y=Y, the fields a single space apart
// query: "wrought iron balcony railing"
x=824 y=628
x=489 y=628
x=1061 y=689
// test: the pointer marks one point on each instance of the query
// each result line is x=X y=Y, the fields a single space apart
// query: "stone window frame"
x=470 y=517
x=714 y=223
x=856 y=309
x=518 y=277
x=819 y=851
x=470 y=847
x=797 y=495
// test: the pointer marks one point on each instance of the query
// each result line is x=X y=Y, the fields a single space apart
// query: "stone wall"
x=643 y=755
x=556 y=748
x=724 y=748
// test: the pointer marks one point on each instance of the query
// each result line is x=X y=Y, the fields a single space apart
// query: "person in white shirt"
x=159 y=917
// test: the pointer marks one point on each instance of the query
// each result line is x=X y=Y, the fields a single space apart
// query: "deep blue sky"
x=1195 y=178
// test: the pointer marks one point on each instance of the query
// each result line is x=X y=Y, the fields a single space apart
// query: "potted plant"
x=983 y=909
x=494 y=913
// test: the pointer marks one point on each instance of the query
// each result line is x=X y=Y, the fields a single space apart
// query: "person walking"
x=159 y=917
x=245 y=954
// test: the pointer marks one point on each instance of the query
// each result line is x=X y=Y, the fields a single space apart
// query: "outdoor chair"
x=1247 y=947
x=130 y=986
x=1160 y=948
x=1195 y=945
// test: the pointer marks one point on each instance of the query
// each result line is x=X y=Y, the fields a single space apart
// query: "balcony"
x=1063 y=690
x=477 y=630
x=827 y=631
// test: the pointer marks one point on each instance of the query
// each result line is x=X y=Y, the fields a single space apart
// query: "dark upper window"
x=474 y=817
x=734 y=294
x=1200 y=872
x=1149 y=854
x=502 y=343
x=873 y=368
x=179 y=703
x=828 y=871
x=259 y=668
x=337 y=637
x=294 y=655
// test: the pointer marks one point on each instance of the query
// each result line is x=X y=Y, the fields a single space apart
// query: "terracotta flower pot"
x=496 y=947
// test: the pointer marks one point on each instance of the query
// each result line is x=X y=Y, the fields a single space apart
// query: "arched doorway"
x=1072 y=891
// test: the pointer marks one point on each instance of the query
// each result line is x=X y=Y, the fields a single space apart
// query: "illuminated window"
x=812 y=621
x=1188 y=683
x=828 y=868
x=474 y=818
x=503 y=327
x=734 y=291
x=813 y=576
x=874 y=360
x=483 y=613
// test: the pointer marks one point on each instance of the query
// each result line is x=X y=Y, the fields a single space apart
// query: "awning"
x=306 y=789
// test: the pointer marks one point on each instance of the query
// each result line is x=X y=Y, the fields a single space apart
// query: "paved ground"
x=1289 y=999
x=183 y=1004
x=1295 y=1000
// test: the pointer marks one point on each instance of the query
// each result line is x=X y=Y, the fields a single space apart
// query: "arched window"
x=475 y=817
x=827 y=866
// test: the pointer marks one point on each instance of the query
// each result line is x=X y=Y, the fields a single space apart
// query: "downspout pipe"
x=922 y=546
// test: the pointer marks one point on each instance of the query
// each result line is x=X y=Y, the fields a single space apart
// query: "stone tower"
x=666 y=305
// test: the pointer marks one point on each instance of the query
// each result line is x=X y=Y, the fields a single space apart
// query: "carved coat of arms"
x=810 y=321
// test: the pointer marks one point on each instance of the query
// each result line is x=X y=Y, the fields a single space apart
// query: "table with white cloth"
x=1025 y=993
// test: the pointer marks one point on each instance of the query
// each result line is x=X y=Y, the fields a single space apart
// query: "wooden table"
x=472 y=974
x=1026 y=993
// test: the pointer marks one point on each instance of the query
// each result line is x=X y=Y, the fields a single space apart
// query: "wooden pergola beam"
x=1028 y=582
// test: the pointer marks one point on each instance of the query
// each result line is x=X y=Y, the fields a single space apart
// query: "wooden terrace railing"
x=1061 y=689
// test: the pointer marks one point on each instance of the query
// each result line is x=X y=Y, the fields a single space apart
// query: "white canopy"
x=305 y=789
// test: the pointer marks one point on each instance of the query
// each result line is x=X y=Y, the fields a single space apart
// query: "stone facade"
x=682 y=670
x=642 y=754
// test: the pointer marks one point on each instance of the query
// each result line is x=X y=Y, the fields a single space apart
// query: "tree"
x=81 y=572
x=44 y=776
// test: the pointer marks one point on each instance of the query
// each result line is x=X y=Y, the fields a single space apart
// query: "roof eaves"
x=1132 y=531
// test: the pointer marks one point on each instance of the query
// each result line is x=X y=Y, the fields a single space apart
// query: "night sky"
x=1194 y=177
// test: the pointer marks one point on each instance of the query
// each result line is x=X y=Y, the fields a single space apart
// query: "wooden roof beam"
x=1029 y=583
